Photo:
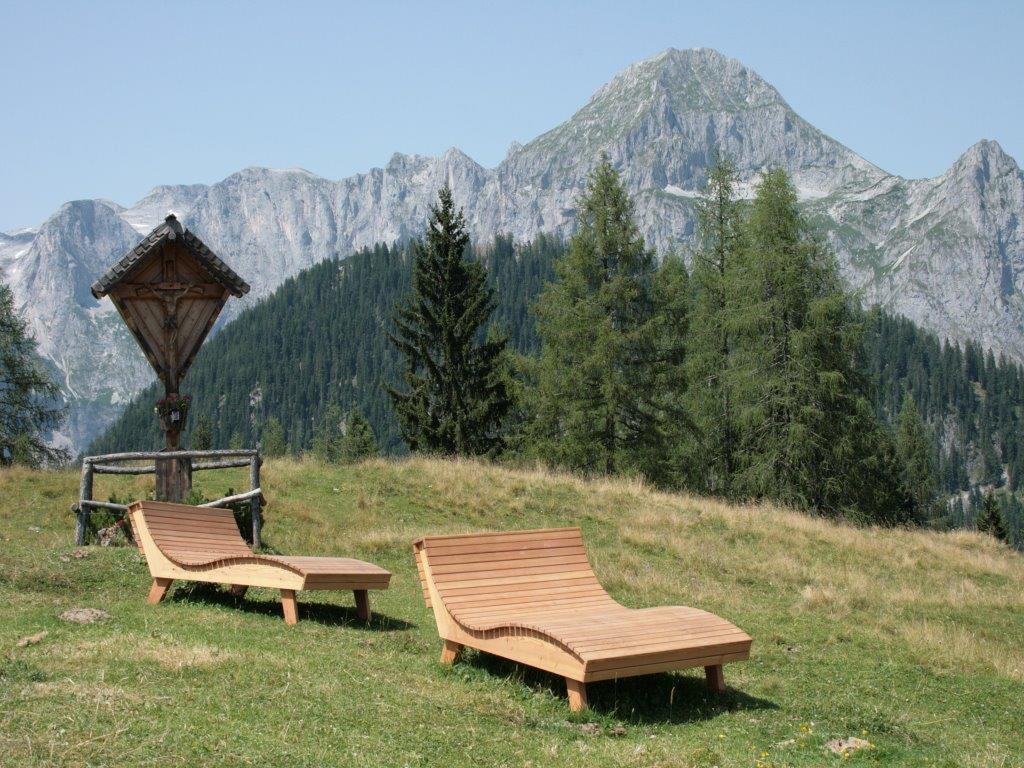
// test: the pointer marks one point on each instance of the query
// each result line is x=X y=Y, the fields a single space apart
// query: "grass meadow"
x=910 y=640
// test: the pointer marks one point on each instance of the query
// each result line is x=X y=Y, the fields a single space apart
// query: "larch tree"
x=719 y=241
x=809 y=432
x=455 y=398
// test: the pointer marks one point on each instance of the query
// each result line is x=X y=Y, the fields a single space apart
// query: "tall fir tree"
x=29 y=398
x=719 y=241
x=611 y=326
x=358 y=442
x=455 y=398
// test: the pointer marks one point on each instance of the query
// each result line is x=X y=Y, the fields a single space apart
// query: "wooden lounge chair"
x=203 y=544
x=531 y=596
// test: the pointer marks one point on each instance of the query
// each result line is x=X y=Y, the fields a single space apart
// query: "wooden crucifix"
x=169 y=290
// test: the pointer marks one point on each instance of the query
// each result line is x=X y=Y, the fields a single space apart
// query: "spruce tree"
x=29 y=407
x=611 y=326
x=719 y=240
x=455 y=398
x=990 y=518
x=358 y=442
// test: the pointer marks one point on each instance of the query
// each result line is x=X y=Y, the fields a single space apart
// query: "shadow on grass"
x=668 y=697
x=328 y=614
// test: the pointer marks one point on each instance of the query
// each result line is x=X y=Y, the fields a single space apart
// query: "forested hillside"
x=321 y=338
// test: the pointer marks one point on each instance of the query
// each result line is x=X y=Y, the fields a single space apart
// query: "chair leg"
x=716 y=678
x=290 y=606
x=450 y=652
x=238 y=590
x=363 y=604
x=577 y=694
x=158 y=590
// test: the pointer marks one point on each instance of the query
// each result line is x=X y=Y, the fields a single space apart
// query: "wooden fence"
x=110 y=464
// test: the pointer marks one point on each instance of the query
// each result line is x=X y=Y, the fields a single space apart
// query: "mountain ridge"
x=911 y=245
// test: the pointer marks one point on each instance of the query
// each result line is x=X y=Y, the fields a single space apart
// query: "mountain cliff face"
x=947 y=252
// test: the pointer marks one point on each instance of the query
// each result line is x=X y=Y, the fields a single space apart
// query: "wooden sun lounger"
x=531 y=596
x=203 y=544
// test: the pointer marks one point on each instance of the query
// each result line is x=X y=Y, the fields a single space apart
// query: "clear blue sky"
x=104 y=99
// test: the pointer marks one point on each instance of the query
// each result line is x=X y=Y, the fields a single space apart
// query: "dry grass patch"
x=168 y=653
x=944 y=645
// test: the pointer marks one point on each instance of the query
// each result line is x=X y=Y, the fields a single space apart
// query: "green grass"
x=911 y=640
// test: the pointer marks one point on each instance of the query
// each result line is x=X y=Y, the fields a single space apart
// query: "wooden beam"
x=158 y=590
x=257 y=502
x=110 y=469
x=255 y=492
x=84 y=494
x=363 y=604
x=290 y=607
x=227 y=464
x=577 y=694
x=139 y=455
x=450 y=652
x=716 y=678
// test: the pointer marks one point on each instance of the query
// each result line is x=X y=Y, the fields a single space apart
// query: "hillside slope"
x=321 y=338
x=910 y=640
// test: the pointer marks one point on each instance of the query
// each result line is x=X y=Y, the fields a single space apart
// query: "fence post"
x=84 y=494
x=255 y=502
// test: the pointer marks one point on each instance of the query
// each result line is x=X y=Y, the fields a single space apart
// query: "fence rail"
x=224 y=459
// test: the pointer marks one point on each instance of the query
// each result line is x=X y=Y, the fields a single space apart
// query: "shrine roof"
x=171 y=229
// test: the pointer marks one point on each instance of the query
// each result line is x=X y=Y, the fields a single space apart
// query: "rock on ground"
x=84 y=615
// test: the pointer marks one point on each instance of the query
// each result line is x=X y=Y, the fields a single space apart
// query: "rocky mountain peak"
x=947 y=252
x=697 y=79
x=986 y=160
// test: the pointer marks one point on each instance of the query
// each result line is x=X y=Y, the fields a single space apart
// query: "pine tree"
x=28 y=396
x=272 y=438
x=916 y=449
x=358 y=442
x=601 y=391
x=990 y=518
x=719 y=235
x=455 y=399
x=202 y=435
x=236 y=441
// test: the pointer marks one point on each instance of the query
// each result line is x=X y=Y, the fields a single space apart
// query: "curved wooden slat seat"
x=531 y=596
x=204 y=544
